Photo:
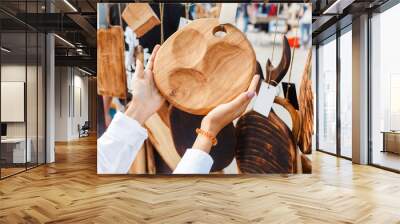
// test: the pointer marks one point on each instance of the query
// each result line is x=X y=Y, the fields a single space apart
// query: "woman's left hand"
x=146 y=99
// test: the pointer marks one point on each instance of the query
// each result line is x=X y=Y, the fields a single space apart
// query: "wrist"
x=137 y=111
x=208 y=127
x=202 y=143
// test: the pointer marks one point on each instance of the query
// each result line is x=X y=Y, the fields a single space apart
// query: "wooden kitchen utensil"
x=306 y=164
x=306 y=99
x=140 y=18
x=197 y=69
x=264 y=145
x=111 y=75
x=183 y=128
x=161 y=138
x=267 y=145
x=139 y=164
x=275 y=75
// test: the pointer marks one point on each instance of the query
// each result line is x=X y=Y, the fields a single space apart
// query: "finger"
x=152 y=58
x=240 y=103
x=139 y=69
x=254 y=83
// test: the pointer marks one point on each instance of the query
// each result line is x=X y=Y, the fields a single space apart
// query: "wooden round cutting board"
x=197 y=69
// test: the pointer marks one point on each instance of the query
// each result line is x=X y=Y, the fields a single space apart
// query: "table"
x=391 y=141
x=17 y=151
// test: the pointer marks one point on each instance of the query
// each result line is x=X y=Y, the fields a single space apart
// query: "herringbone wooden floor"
x=69 y=191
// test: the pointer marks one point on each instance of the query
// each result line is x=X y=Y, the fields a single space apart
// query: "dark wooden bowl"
x=264 y=145
x=183 y=128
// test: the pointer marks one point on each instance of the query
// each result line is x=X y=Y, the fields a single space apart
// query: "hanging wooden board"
x=264 y=145
x=196 y=70
x=161 y=138
x=275 y=74
x=111 y=77
x=139 y=164
x=140 y=18
x=183 y=127
x=306 y=99
x=150 y=161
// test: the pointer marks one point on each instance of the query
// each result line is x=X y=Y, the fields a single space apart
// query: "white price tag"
x=228 y=13
x=183 y=22
x=265 y=99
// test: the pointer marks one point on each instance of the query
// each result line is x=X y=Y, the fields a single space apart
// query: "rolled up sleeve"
x=194 y=161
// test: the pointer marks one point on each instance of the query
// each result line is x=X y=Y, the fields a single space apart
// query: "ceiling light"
x=5 y=50
x=84 y=71
x=70 y=5
x=65 y=41
x=338 y=6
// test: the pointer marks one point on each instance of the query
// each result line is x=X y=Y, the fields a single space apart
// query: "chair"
x=84 y=130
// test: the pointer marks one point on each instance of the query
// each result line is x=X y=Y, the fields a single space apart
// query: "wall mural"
x=199 y=103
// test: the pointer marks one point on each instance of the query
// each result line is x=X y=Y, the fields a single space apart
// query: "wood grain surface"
x=276 y=74
x=196 y=70
x=140 y=18
x=294 y=115
x=306 y=99
x=306 y=164
x=183 y=128
x=139 y=165
x=264 y=145
x=70 y=191
x=161 y=138
x=150 y=159
x=111 y=77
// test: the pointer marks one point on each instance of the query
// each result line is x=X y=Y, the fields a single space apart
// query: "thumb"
x=241 y=101
x=244 y=98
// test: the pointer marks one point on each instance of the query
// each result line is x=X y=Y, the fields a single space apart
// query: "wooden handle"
x=275 y=75
x=294 y=114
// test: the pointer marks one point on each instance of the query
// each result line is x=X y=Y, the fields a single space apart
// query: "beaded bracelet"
x=208 y=135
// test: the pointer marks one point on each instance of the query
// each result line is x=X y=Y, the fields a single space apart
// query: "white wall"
x=71 y=94
x=12 y=73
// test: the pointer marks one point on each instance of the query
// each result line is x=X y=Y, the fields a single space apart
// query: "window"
x=22 y=77
x=346 y=94
x=327 y=97
x=385 y=89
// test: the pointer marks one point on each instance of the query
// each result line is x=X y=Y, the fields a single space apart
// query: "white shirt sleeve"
x=118 y=146
x=194 y=161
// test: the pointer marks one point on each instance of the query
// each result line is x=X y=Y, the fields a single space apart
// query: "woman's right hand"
x=224 y=114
